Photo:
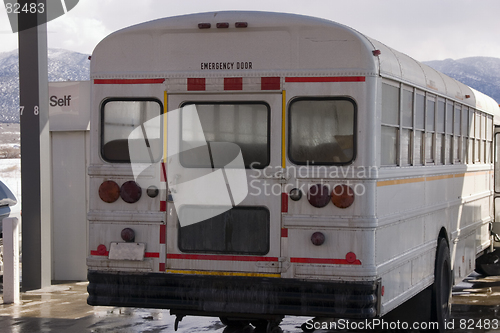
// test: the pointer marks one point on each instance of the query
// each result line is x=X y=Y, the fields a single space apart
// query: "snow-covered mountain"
x=480 y=73
x=63 y=66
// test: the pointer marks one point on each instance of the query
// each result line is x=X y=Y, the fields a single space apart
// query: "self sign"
x=65 y=101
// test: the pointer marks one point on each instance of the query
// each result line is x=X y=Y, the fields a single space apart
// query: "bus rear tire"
x=441 y=290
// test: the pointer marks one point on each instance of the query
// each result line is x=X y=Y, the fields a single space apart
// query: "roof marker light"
x=222 y=25
x=376 y=53
x=241 y=24
x=204 y=25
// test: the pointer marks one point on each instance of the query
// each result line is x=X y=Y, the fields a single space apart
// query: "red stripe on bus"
x=233 y=83
x=284 y=202
x=163 y=175
x=219 y=257
x=163 y=229
x=96 y=253
x=284 y=232
x=270 y=83
x=163 y=206
x=162 y=267
x=324 y=261
x=128 y=81
x=326 y=79
x=196 y=84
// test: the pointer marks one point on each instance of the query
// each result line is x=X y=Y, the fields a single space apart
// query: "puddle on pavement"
x=63 y=309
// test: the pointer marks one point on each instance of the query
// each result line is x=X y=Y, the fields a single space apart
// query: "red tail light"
x=318 y=238
x=109 y=191
x=319 y=195
x=130 y=192
x=128 y=235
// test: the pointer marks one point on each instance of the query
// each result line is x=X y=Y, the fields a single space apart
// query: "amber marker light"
x=342 y=196
x=109 y=191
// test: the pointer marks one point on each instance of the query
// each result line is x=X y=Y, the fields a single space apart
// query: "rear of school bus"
x=288 y=94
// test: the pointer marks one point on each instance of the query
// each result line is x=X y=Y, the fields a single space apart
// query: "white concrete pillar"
x=10 y=260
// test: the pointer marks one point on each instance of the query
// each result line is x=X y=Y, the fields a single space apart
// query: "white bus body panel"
x=392 y=228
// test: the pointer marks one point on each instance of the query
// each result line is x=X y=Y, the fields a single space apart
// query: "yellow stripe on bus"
x=428 y=178
x=283 y=121
x=439 y=177
x=176 y=271
x=400 y=181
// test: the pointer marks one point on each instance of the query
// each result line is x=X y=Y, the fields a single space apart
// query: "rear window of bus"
x=131 y=125
x=245 y=124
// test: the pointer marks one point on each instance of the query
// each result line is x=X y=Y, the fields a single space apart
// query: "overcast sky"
x=423 y=29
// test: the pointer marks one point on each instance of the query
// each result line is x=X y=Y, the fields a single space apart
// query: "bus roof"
x=285 y=44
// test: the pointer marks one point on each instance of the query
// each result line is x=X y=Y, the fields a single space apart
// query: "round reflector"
x=109 y=191
x=128 y=235
x=101 y=249
x=350 y=257
x=152 y=191
x=342 y=196
x=295 y=194
x=319 y=195
x=130 y=192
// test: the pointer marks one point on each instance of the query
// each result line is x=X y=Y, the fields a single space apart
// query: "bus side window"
x=322 y=131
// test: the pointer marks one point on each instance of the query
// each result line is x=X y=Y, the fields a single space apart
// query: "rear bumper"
x=234 y=296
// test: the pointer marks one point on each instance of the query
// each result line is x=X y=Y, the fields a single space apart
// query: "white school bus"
x=368 y=176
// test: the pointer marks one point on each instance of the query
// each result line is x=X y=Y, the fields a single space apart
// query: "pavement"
x=63 y=308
